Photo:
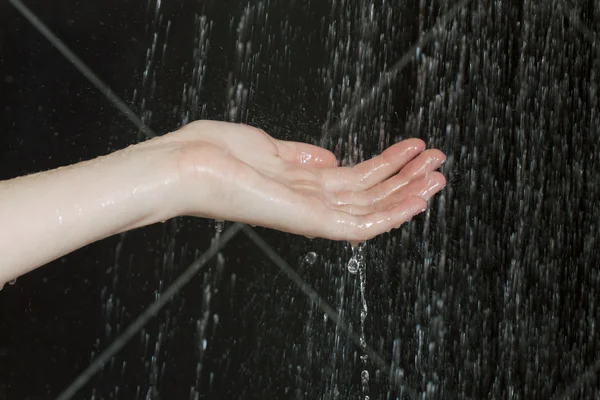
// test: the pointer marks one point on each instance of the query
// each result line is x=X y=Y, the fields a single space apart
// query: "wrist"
x=154 y=183
x=191 y=165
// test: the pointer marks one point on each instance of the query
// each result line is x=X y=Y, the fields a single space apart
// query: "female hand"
x=239 y=173
x=215 y=170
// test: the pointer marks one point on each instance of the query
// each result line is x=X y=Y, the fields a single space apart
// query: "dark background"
x=491 y=294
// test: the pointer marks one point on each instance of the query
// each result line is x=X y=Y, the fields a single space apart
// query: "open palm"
x=240 y=173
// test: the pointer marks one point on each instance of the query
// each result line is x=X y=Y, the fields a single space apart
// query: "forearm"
x=47 y=215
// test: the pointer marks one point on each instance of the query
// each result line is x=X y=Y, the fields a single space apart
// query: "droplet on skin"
x=305 y=157
x=12 y=281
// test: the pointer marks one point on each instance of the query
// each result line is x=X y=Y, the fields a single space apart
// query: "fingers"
x=305 y=154
x=369 y=173
x=343 y=226
x=424 y=188
x=388 y=163
x=422 y=166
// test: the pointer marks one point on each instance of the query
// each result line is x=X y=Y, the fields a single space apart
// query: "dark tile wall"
x=490 y=294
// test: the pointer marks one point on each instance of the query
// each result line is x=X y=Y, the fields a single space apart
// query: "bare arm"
x=49 y=214
x=217 y=170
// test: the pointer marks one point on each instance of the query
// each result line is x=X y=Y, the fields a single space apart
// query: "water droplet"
x=12 y=281
x=364 y=377
x=353 y=266
x=310 y=258
x=219 y=225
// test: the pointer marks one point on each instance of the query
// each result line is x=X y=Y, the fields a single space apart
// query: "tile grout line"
x=309 y=291
x=147 y=314
x=318 y=300
x=83 y=68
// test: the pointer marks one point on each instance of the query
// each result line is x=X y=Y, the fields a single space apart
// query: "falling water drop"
x=353 y=266
x=310 y=258
x=356 y=259
x=219 y=225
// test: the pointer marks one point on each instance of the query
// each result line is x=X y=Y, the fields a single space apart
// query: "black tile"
x=491 y=294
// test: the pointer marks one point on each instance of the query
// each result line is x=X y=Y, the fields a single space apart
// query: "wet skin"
x=214 y=170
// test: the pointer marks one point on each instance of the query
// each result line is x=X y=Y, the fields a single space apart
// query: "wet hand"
x=240 y=173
